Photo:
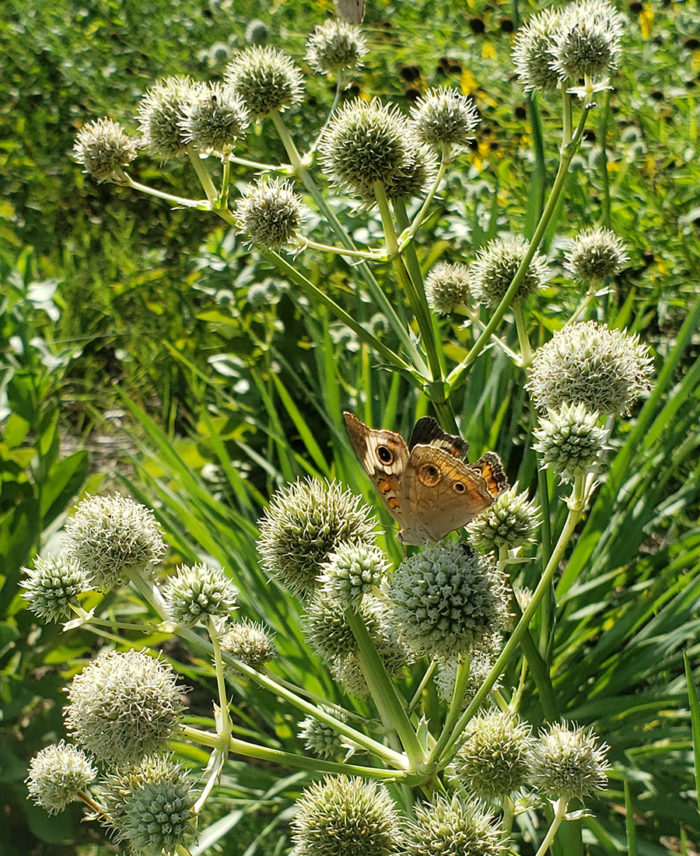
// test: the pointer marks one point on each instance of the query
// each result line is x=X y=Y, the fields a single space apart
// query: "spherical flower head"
x=335 y=45
x=570 y=442
x=270 y=213
x=57 y=775
x=322 y=740
x=199 y=593
x=510 y=522
x=443 y=117
x=594 y=255
x=494 y=762
x=328 y=631
x=480 y=664
x=104 y=149
x=532 y=52
x=123 y=706
x=452 y=827
x=588 y=40
x=265 y=79
x=111 y=537
x=346 y=815
x=492 y=271
x=149 y=806
x=418 y=174
x=160 y=112
x=364 y=143
x=353 y=571
x=257 y=32
x=588 y=363
x=249 y=642
x=447 y=287
x=214 y=119
x=569 y=762
x=53 y=585
x=306 y=522
x=446 y=599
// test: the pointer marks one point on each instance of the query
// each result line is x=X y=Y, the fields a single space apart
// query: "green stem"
x=203 y=175
x=383 y=691
x=409 y=233
x=180 y=201
x=421 y=686
x=523 y=339
x=220 y=678
x=363 y=269
x=569 y=149
x=264 y=167
x=222 y=200
x=576 y=507
x=277 y=756
x=508 y=814
x=370 y=255
x=460 y=688
x=559 y=815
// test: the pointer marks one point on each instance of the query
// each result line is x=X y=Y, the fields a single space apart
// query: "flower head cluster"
x=570 y=442
x=214 y=119
x=444 y=117
x=123 y=706
x=104 y=149
x=111 y=537
x=257 y=32
x=569 y=762
x=447 y=599
x=417 y=175
x=588 y=363
x=494 y=762
x=149 y=806
x=249 y=642
x=160 y=113
x=346 y=815
x=452 y=827
x=492 y=271
x=335 y=45
x=320 y=739
x=447 y=287
x=352 y=571
x=588 y=40
x=306 y=522
x=270 y=213
x=510 y=522
x=365 y=143
x=328 y=631
x=532 y=52
x=594 y=255
x=197 y=593
x=480 y=664
x=57 y=774
x=53 y=585
x=265 y=79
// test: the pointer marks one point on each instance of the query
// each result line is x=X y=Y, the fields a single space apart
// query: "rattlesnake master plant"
x=400 y=688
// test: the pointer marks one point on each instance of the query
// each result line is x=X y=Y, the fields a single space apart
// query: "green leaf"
x=695 y=720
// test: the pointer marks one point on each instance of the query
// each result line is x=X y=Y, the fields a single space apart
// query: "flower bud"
x=509 y=522
x=569 y=763
x=570 y=442
x=53 y=585
x=265 y=79
x=352 y=571
x=335 y=45
x=588 y=40
x=447 y=287
x=594 y=255
x=452 y=827
x=250 y=643
x=104 y=149
x=532 y=52
x=495 y=266
x=322 y=740
x=214 y=119
x=270 y=213
x=160 y=112
x=443 y=117
x=57 y=774
x=196 y=594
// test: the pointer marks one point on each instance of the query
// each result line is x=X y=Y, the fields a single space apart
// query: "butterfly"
x=427 y=485
x=351 y=11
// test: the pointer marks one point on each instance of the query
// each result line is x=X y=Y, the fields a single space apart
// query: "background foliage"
x=104 y=292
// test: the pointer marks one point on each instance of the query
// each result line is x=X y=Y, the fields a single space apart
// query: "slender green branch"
x=263 y=167
x=277 y=756
x=458 y=693
x=383 y=691
x=409 y=233
x=569 y=149
x=521 y=327
x=559 y=815
x=421 y=686
x=203 y=174
x=179 y=201
x=370 y=255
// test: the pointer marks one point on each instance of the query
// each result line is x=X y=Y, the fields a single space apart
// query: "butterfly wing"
x=384 y=455
x=427 y=431
x=491 y=470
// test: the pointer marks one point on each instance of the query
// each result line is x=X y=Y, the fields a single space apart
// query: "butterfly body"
x=426 y=483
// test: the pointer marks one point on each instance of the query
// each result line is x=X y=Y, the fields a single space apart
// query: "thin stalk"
x=339 y=86
x=582 y=307
x=370 y=255
x=417 y=300
x=421 y=686
x=409 y=233
x=568 y=150
x=604 y=178
x=508 y=814
x=222 y=200
x=453 y=711
x=203 y=175
x=220 y=677
x=523 y=338
x=316 y=698
x=277 y=756
x=576 y=507
x=383 y=303
x=379 y=749
x=559 y=815
x=180 y=201
x=87 y=618
x=477 y=323
x=383 y=691
x=263 y=167
x=91 y=803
